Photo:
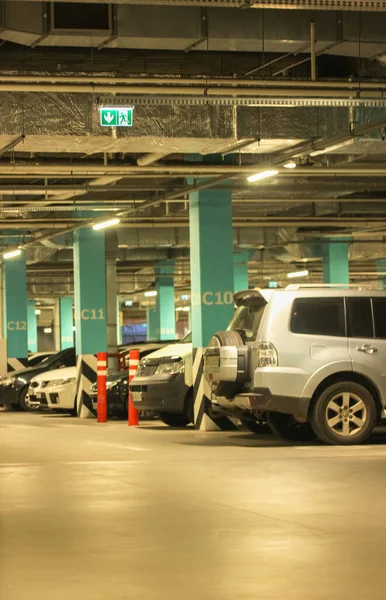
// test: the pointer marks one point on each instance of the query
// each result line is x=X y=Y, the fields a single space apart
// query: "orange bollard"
x=101 y=382
x=133 y=364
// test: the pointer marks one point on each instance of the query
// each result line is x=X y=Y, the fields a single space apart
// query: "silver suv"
x=312 y=358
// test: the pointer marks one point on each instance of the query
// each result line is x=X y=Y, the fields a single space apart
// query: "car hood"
x=27 y=373
x=65 y=373
x=182 y=350
x=124 y=375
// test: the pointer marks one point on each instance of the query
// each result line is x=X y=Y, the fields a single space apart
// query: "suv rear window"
x=247 y=318
x=318 y=316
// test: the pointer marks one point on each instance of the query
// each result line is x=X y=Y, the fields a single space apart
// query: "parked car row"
x=309 y=361
x=51 y=382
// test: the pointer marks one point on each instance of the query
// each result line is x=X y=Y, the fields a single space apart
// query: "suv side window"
x=318 y=316
x=379 y=308
x=359 y=318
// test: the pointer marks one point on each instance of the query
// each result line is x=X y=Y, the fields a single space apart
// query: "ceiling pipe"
x=238 y=223
x=178 y=82
x=322 y=5
x=148 y=159
x=197 y=170
x=12 y=144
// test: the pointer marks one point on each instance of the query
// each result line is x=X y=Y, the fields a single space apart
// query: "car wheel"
x=289 y=429
x=227 y=389
x=24 y=402
x=174 y=420
x=344 y=413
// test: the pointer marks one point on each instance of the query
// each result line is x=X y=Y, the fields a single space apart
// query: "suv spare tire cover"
x=228 y=389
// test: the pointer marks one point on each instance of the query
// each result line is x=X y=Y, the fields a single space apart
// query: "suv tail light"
x=267 y=355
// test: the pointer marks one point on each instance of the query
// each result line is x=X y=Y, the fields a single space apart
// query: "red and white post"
x=133 y=364
x=101 y=382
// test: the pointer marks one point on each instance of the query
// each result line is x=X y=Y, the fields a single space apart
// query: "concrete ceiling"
x=227 y=84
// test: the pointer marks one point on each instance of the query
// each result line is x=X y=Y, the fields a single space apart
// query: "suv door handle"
x=367 y=349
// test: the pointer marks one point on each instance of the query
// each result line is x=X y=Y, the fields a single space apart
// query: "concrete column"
x=165 y=315
x=335 y=261
x=32 y=326
x=151 y=322
x=240 y=270
x=15 y=311
x=119 y=322
x=211 y=266
x=380 y=266
x=90 y=310
x=66 y=323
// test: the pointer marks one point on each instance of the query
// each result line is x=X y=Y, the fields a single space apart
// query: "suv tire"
x=344 y=413
x=287 y=428
x=228 y=389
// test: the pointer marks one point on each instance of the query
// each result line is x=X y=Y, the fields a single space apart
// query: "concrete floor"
x=101 y=512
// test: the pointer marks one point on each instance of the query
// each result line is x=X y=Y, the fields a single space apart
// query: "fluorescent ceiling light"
x=186 y=308
x=12 y=253
x=73 y=328
x=150 y=293
x=295 y=274
x=47 y=330
x=37 y=311
x=105 y=224
x=179 y=308
x=291 y=164
x=262 y=175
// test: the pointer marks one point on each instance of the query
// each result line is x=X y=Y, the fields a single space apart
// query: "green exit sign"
x=116 y=117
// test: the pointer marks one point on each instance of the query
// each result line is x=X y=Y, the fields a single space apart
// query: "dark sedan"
x=117 y=383
x=14 y=386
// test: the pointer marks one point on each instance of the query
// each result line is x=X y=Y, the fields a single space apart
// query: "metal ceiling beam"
x=200 y=169
x=262 y=221
x=323 y=5
x=159 y=83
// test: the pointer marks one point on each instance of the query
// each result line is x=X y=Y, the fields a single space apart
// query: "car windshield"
x=187 y=339
x=247 y=318
x=37 y=360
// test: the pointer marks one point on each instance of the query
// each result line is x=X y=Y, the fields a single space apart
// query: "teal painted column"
x=211 y=268
x=151 y=323
x=380 y=266
x=90 y=310
x=211 y=263
x=240 y=270
x=66 y=323
x=165 y=310
x=15 y=310
x=335 y=261
x=32 y=326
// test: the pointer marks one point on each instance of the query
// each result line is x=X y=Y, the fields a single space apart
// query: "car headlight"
x=170 y=367
x=56 y=382
x=7 y=380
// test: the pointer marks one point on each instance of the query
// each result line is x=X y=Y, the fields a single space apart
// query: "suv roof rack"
x=344 y=286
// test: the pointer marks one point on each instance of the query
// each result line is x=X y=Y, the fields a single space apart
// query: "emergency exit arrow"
x=109 y=117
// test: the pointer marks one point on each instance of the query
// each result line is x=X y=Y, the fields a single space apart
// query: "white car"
x=57 y=389
x=54 y=389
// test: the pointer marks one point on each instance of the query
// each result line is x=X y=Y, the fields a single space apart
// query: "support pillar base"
x=204 y=420
x=86 y=376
